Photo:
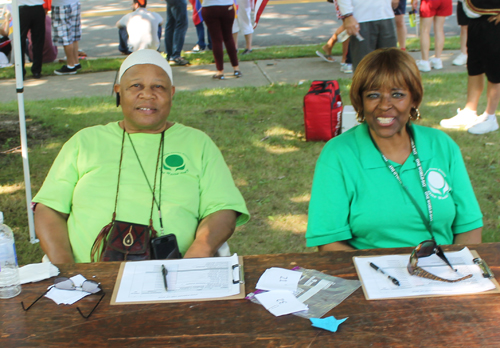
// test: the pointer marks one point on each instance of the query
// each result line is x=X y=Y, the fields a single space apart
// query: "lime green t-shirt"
x=355 y=197
x=83 y=182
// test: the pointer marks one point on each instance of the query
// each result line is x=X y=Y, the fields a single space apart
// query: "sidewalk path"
x=190 y=78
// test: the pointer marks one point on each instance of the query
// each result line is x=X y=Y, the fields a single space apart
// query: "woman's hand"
x=495 y=19
x=351 y=25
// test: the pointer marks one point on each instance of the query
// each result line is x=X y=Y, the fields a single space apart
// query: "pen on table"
x=164 y=272
x=376 y=268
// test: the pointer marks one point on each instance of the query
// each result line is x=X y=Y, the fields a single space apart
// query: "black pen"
x=376 y=268
x=164 y=272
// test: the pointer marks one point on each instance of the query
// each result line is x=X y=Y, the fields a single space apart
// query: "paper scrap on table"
x=280 y=302
x=36 y=272
x=276 y=278
x=329 y=323
x=68 y=296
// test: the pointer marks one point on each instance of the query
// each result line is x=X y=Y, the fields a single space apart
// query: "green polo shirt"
x=83 y=181
x=355 y=197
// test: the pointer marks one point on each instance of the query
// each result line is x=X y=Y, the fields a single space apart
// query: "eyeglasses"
x=63 y=283
x=425 y=249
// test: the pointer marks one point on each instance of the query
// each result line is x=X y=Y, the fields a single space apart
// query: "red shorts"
x=431 y=8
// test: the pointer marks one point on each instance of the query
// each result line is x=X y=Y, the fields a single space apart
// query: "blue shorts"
x=401 y=9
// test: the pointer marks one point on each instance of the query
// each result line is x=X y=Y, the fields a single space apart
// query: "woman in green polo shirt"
x=387 y=182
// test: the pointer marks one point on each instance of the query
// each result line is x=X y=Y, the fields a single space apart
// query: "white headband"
x=145 y=57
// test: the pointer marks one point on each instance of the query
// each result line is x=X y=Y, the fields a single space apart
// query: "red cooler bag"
x=322 y=111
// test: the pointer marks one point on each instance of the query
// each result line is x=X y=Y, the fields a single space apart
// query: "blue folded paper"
x=329 y=323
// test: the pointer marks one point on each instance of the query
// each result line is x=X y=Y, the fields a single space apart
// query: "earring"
x=414 y=114
x=360 y=117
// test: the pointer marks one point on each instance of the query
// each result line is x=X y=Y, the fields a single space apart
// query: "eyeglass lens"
x=64 y=283
x=90 y=286
x=426 y=248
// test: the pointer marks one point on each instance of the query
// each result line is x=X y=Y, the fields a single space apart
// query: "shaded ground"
x=10 y=139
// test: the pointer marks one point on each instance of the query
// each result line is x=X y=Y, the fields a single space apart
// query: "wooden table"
x=466 y=321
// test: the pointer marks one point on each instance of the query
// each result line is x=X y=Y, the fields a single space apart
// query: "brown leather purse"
x=124 y=241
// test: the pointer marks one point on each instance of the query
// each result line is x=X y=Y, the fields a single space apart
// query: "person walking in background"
x=201 y=45
x=432 y=11
x=243 y=23
x=67 y=31
x=346 y=61
x=399 y=16
x=219 y=17
x=32 y=17
x=371 y=23
x=175 y=31
x=139 y=29
x=483 y=45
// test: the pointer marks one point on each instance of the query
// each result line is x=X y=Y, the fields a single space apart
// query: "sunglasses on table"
x=63 y=283
x=425 y=249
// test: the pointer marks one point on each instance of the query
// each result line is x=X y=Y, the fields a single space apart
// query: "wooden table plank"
x=469 y=321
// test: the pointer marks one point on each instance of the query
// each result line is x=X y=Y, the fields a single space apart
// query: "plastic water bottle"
x=343 y=36
x=10 y=285
x=412 y=18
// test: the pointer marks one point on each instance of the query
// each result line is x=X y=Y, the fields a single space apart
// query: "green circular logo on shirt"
x=174 y=164
x=437 y=184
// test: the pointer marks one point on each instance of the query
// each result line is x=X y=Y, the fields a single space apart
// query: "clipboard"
x=474 y=253
x=240 y=295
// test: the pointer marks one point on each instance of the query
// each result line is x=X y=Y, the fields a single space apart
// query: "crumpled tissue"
x=36 y=272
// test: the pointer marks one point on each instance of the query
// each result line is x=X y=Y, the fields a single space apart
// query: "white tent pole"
x=22 y=118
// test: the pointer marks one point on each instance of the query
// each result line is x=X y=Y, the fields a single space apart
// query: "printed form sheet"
x=187 y=279
x=378 y=286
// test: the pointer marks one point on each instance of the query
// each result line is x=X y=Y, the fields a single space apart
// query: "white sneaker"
x=196 y=49
x=464 y=118
x=460 y=60
x=424 y=65
x=346 y=68
x=436 y=63
x=484 y=124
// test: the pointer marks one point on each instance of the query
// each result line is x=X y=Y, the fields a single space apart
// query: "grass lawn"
x=261 y=135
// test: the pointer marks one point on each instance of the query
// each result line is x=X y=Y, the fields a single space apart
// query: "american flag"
x=259 y=6
x=197 y=18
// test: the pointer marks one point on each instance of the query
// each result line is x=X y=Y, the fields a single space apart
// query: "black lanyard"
x=427 y=222
x=153 y=189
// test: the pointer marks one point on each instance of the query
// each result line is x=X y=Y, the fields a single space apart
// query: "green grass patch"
x=204 y=58
x=260 y=132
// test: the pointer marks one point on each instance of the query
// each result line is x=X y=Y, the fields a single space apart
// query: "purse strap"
x=119 y=173
x=103 y=234
x=153 y=189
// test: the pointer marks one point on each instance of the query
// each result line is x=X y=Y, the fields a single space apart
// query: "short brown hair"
x=386 y=67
